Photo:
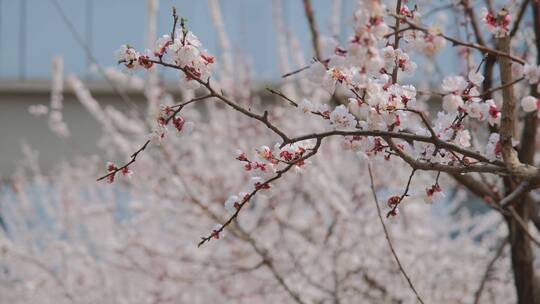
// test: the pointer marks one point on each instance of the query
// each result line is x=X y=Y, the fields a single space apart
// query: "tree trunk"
x=522 y=257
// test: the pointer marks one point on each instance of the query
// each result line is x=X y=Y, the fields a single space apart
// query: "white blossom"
x=452 y=102
x=492 y=147
x=341 y=118
x=452 y=84
x=530 y=103
x=127 y=56
x=187 y=55
x=231 y=203
x=531 y=73
x=476 y=78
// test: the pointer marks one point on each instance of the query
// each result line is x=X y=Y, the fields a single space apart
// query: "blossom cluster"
x=463 y=96
x=113 y=169
x=498 y=24
x=365 y=68
x=169 y=115
x=267 y=161
x=429 y=43
x=369 y=70
x=184 y=49
x=132 y=59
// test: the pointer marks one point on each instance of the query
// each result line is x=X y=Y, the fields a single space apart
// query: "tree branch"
x=396 y=39
x=310 y=15
x=248 y=197
x=521 y=13
x=507 y=126
x=387 y=235
x=455 y=41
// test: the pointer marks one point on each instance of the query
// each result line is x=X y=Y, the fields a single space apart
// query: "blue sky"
x=114 y=22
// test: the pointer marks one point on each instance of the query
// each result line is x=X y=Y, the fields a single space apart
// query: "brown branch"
x=262 y=118
x=420 y=92
x=387 y=235
x=248 y=197
x=530 y=126
x=489 y=65
x=396 y=40
x=523 y=187
x=474 y=23
x=489 y=4
x=521 y=13
x=401 y=135
x=310 y=15
x=507 y=125
x=501 y=87
x=523 y=225
x=509 y=104
x=175 y=21
x=125 y=166
x=527 y=148
x=479 y=189
x=372 y=283
x=280 y=94
x=475 y=186
x=486 y=94
x=426 y=122
x=534 y=216
x=295 y=71
x=427 y=166
x=405 y=193
x=455 y=41
x=293 y=103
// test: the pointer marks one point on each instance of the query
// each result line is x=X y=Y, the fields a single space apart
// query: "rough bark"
x=522 y=257
x=521 y=251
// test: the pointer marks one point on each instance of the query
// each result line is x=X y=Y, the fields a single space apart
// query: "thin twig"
x=387 y=235
x=501 y=87
x=262 y=118
x=308 y=9
x=295 y=71
x=396 y=39
x=521 y=222
x=280 y=94
x=485 y=93
x=474 y=23
x=520 y=15
x=247 y=198
x=520 y=190
x=455 y=41
x=405 y=193
x=401 y=135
